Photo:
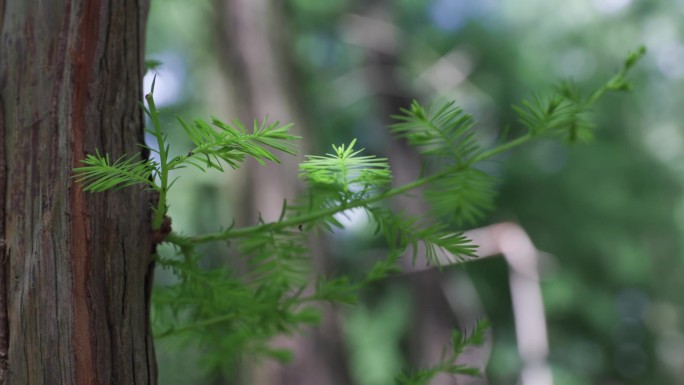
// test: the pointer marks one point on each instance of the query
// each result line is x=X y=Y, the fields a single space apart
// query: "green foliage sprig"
x=234 y=315
x=445 y=133
x=213 y=145
x=347 y=172
x=447 y=364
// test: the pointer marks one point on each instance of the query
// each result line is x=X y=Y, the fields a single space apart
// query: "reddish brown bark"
x=75 y=267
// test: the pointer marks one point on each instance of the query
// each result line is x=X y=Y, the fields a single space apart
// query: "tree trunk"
x=75 y=268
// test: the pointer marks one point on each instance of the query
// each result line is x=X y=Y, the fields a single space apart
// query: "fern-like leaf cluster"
x=448 y=362
x=221 y=142
x=440 y=244
x=277 y=257
x=101 y=174
x=347 y=172
x=462 y=197
x=213 y=302
x=446 y=132
x=462 y=194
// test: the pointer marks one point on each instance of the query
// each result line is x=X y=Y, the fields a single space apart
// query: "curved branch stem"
x=311 y=217
x=160 y=211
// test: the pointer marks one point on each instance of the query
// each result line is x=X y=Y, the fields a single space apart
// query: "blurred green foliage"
x=610 y=214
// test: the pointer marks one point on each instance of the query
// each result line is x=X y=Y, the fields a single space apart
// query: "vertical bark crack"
x=4 y=322
x=83 y=58
x=2 y=13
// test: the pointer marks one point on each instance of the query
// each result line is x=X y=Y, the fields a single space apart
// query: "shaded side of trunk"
x=76 y=267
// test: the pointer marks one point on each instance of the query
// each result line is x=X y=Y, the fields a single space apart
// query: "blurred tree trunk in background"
x=431 y=322
x=256 y=45
x=75 y=268
x=253 y=38
x=434 y=318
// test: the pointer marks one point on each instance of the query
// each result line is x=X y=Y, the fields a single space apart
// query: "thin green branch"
x=199 y=324
x=307 y=218
x=160 y=211
x=502 y=148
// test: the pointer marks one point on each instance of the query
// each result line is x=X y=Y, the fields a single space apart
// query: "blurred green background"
x=609 y=214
